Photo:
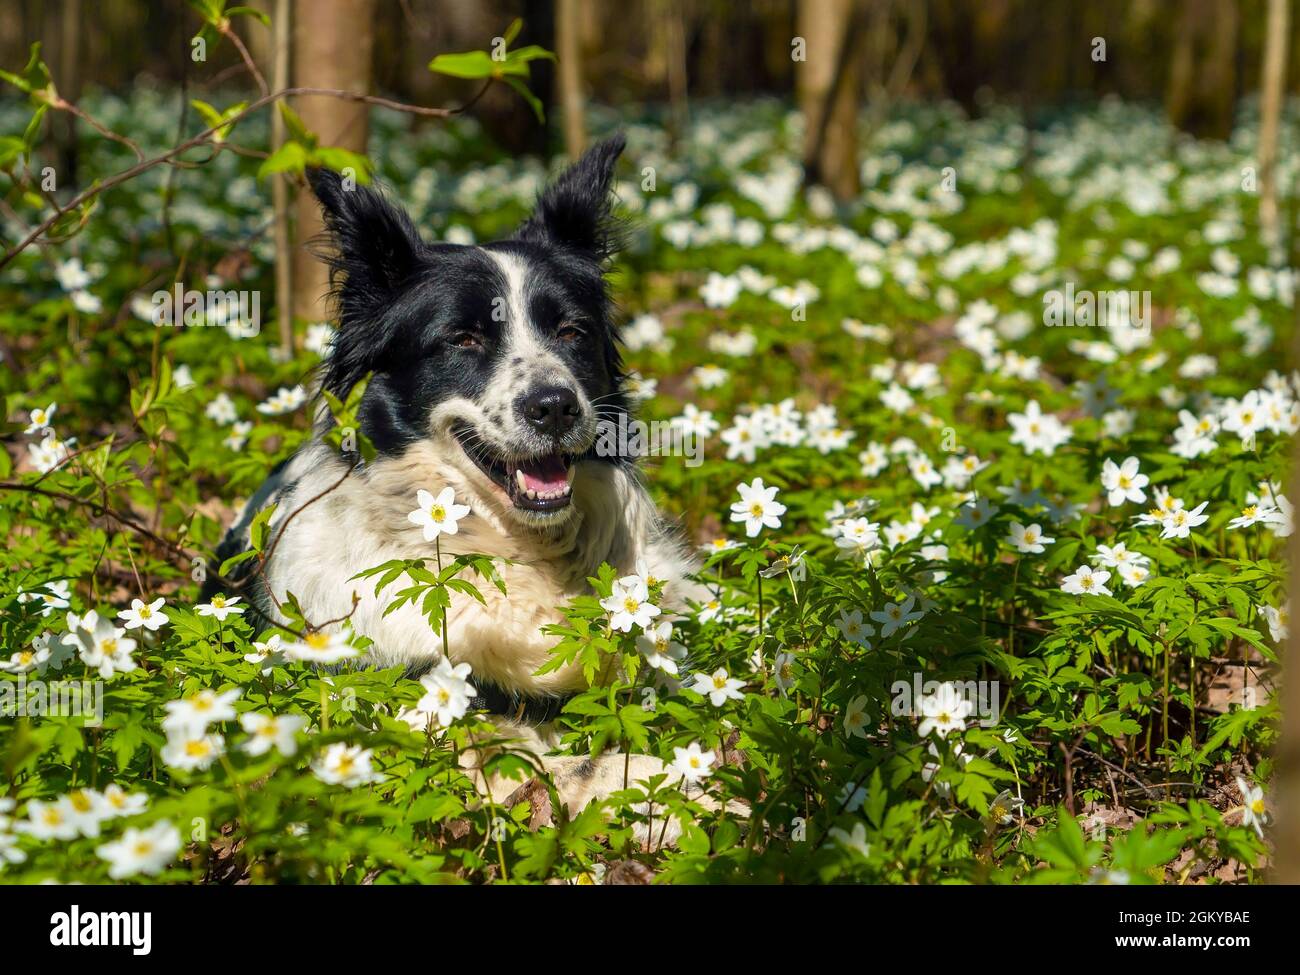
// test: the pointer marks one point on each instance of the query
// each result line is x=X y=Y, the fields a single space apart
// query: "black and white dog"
x=490 y=368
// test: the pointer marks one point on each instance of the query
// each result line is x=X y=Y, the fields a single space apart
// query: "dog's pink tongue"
x=545 y=474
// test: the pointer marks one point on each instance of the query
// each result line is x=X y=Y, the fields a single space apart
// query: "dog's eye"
x=569 y=333
x=465 y=340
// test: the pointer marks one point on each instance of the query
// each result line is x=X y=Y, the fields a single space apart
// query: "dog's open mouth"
x=534 y=484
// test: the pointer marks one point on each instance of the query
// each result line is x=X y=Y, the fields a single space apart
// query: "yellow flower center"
x=317 y=640
x=438 y=512
x=198 y=748
x=756 y=510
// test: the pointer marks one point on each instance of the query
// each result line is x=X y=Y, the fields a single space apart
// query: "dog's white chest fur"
x=363 y=523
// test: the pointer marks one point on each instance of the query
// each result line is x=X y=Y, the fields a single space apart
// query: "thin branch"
x=204 y=137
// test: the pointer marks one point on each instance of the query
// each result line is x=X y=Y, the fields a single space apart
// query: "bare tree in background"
x=665 y=60
x=1202 y=90
x=828 y=84
x=568 y=45
x=280 y=61
x=331 y=48
x=1272 y=91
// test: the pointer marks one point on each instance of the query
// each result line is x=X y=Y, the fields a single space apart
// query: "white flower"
x=119 y=803
x=709 y=376
x=744 y=438
x=1036 y=431
x=49 y=453
x=1253 y=812
x=71 y=275
x=1278 y=620
x=101 y=645
x=286 y=400
x=345 y=765
x=86 y=303
x=922 y=469
x=852 y=628
x=659 y=649
x=318 y=338
x=757 y=507
x=1118 y=555
x=40 y=419
x=692 y=764
x=974 y=513
x=719 y=687
x=628 y=605
x=267 y=731
x=1244 y=417
x=321 y=647
x=1005 y=808
x=874 y=459
x=1027 y=539
x=146 y=851
x=855 y=717
x=55 y=595
x=1195 y=435
x=943 y=712
x=221 y=410
x=193 y=752
x=192 y=715
x=1086 y=581
x=1123 y=482
x=437 y=516
x=1133 y=575
x=85 y=807
x=447 y=692
x=268 y=655
x=48 y=821
x=720 y=291
x=896 y=615
x=220 y=607
x=142 y=614
x=855 y=841
x=1180 y=522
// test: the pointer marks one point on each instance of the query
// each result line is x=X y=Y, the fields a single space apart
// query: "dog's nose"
x=551 y=410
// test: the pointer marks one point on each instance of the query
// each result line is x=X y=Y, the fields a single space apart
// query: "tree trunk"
x=331 y=48
x=828 y=85
x=568 y=43
x=281 y=26
x=1272 y=90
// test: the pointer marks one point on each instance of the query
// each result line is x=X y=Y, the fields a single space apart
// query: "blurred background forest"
x=844 y=63
x=1198 y=57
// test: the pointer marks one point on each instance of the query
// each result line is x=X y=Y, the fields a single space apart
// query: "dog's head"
x=504 y=354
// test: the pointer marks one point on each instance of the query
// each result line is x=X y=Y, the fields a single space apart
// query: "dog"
x=491 y=367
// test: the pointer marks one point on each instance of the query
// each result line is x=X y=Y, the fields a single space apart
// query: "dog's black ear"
x=575 y=211
x=371 y=247
x=374 y=242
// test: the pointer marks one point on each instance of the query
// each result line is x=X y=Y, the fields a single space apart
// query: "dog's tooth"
x=530 y=493
x=519 y=480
